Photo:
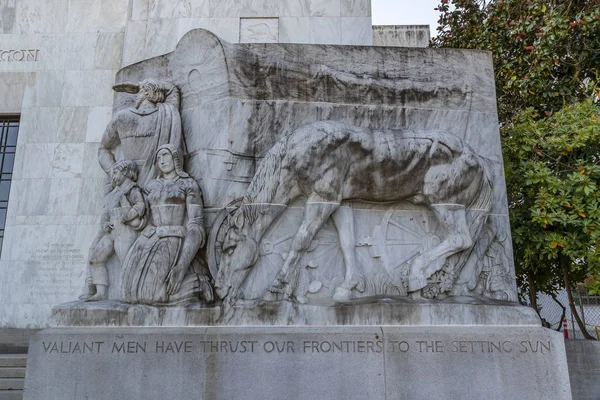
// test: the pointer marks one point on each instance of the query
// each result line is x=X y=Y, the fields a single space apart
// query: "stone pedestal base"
x=369 y=311
x=273 y=363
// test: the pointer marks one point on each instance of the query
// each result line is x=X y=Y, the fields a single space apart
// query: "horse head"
x=239 y=252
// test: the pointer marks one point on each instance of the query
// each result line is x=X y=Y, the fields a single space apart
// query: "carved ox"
x=331 y=161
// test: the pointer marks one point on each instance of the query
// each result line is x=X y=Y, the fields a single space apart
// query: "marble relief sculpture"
x=281 y=185
x=124 y=215
x=139 y=131
x=160 y=267
x=330 y=211
x=158 y=233
x=328 y=162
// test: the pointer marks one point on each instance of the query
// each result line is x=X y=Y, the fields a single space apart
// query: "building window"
x=8 y=144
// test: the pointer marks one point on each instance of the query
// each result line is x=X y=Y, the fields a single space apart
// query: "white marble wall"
x=157 y=25
x=65 y=100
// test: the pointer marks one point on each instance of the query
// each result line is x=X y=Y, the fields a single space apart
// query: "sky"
x=405 y=12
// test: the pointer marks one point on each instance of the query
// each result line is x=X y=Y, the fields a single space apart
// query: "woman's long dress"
x=156 y=251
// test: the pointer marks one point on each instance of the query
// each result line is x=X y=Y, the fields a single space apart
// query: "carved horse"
x=328 y=162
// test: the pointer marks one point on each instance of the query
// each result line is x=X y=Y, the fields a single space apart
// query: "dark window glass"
x=8 y=162
x=9 y=129
x=11 y=137
x=2 y=217
x=4 y=190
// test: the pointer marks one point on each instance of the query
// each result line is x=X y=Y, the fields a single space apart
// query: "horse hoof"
x=360 y=286
x=416 y=295
x=274 y=289
x=342 y=294
x=356 y=283
x=269 y=295
x=276 y=286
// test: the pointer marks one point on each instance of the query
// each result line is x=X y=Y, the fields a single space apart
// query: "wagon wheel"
x=405 y=234
x=217 y=235
x=321 y=267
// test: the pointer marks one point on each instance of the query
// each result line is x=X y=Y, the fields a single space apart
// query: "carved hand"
x=175 y=278
x=108 y=227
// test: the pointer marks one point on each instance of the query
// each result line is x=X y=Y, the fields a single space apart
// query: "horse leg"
x=315 y=215
x=343 y=219
x=453 y=218
x=468 y=277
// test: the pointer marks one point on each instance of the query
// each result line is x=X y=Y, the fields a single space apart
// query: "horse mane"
x=264 y=184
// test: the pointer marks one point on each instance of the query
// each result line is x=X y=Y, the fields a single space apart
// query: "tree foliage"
x=553 y=188
x=553 y=182
x=546 y=52
x=592 y=284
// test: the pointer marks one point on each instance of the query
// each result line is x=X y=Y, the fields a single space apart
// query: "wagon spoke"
x=323 y=252
x=410 y=256
x=272 y=263
x=402 y=228
x=419 y=224
x=283 y=239
x=396 y=242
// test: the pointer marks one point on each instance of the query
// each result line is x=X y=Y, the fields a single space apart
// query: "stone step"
x=12 y=372
x=11 y=395
x=11 y=384
x=13 y=360
x=15 y=341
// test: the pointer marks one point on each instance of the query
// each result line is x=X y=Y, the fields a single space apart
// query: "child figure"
x=123 y=216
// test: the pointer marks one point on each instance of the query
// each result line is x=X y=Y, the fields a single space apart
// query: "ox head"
x=239 y=253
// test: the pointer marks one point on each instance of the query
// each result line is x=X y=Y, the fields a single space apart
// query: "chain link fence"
x=554 y=308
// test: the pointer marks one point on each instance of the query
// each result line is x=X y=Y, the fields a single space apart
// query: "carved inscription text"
x=313 y=347
x=19 y=55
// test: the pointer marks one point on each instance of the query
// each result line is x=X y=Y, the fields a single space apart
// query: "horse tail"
x=469 y=263
x=264 y=184
x=479 y=209
x=485 y=196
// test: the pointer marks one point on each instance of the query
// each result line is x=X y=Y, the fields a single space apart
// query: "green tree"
x=592 y=284
x=553 y=176
x=547 y=62
x=546 y=52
